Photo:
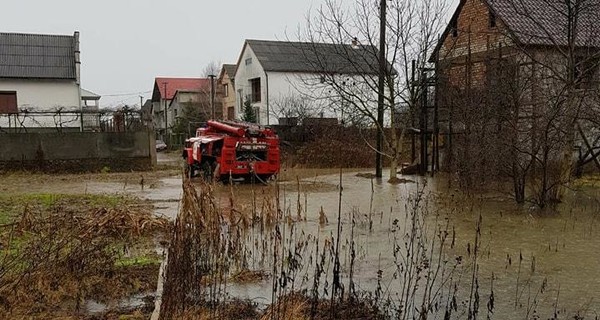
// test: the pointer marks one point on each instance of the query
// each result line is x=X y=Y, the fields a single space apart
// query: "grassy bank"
x=58 y=251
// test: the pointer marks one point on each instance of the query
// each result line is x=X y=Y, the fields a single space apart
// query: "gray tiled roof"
x=545 y=22
x=230 y=69
x=37 y=56
x=282 y=56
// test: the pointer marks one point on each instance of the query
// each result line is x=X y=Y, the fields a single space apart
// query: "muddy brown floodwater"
x=541 y=263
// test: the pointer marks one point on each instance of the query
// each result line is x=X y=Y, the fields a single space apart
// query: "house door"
x=8 y=102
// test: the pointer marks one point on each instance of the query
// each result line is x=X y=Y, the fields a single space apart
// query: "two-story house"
x=515 y=78
x=272 y=75
x=226 y=81
x=39 y=76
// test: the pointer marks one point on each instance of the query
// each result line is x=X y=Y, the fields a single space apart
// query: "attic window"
x=248 y=61
x=492 y=20
x=454 y=28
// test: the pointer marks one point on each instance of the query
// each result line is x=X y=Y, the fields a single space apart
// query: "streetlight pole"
x=166 y=117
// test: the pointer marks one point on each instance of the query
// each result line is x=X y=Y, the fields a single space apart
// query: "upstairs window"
x=492 y=20
x=454 y=28
x=584 y=72
x=255 y=85
x=226 y=89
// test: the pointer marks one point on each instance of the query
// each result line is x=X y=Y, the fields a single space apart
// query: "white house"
x=39 y=76
x=282 y=79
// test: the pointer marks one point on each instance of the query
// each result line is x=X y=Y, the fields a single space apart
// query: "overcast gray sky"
x=126 y=43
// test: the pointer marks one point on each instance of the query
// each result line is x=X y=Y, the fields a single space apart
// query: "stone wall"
x=77 y=151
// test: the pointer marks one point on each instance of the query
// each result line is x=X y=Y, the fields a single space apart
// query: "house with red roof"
x=168 y=95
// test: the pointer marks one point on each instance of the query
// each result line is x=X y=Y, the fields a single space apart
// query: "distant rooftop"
x=165 y=88
x=88 y=95
x=229 y=69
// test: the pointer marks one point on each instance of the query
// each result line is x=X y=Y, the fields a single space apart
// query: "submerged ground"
x=529 y=263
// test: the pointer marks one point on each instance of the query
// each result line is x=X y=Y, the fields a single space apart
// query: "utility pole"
x=166 y=119
x=212 y=95
x=380 y=89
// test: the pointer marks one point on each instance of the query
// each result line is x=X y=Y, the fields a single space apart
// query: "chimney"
x=77 y=57
x=355 y=43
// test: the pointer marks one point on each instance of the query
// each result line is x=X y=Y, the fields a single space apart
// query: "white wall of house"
x=181 y=98
x=43 y=95
x=250 y=68
x=276 y=86
x=319 y=99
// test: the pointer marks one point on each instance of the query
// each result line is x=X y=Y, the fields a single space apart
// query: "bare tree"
x=541 y=77
x=351 y=79
x=293 y=106
x=212 y=68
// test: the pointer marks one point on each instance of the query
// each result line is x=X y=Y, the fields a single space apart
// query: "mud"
x=523 y=249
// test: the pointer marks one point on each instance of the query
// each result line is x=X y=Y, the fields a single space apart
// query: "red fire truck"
x=224 y=150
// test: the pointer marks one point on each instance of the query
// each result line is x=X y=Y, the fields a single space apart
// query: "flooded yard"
x=529 y=263
x=523 y=262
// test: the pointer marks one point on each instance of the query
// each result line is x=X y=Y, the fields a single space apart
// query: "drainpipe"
x=78 y=77
x=267 y=97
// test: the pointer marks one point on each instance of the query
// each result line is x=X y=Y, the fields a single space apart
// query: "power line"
x=125 y=94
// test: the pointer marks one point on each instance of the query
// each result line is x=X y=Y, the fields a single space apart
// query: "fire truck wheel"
x=207 y=171
x=188 y=171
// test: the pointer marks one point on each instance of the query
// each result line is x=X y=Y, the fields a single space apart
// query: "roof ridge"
x=306 y=42
x=35 y=34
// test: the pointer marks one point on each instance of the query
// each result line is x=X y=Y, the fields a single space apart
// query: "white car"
x=160 y=145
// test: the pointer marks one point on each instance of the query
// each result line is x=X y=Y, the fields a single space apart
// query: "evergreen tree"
x=249 y=115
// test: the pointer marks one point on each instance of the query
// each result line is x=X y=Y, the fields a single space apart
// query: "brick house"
x=506 y=68
x=227 y=88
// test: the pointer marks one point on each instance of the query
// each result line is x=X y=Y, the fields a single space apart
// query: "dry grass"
x=298 y=306
x=62 y=250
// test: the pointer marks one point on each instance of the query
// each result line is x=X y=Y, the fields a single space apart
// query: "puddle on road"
x=92 y=307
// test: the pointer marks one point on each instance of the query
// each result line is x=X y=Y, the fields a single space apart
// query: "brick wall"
x=463 y=53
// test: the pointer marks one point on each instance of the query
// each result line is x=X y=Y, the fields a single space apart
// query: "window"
x=255 y=84
x=8 y=102
x=226 y=89
x=584 y=72
x=492 y=20
x=454 y=28
x=248 y=61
